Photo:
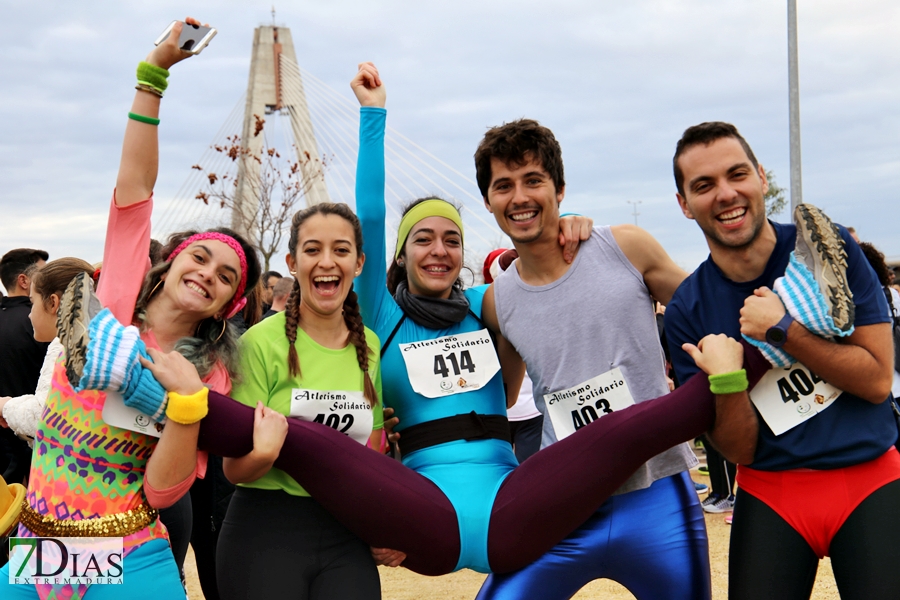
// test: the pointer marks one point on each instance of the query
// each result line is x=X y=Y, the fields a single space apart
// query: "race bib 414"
x=451 y=364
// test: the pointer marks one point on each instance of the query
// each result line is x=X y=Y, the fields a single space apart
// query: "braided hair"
x=352 y=318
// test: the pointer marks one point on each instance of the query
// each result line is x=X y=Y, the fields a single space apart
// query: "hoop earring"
x=155 y=287
x=221 y=333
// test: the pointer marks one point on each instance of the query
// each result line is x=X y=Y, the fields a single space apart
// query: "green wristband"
x=728 y=383
x=155 y=77
x=143 y=119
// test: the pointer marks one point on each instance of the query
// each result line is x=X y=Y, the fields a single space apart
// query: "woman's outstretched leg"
x=557 y=489
x=384 y=503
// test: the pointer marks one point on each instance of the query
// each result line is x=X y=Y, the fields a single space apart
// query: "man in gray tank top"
x=588 y=334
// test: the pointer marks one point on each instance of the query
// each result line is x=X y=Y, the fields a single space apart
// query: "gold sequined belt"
x=116 y=525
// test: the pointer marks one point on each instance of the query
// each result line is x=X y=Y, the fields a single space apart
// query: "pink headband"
x=238 y=301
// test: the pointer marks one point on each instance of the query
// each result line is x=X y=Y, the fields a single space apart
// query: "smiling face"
x=325 y=262
x=433 y=255
x=524 y=200
x=43 y=316
x=203 y=278
x=724 y=193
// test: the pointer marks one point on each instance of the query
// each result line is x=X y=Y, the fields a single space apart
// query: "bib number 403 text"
x=586 y=414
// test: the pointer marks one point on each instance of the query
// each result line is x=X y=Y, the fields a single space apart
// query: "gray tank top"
x=597 y=317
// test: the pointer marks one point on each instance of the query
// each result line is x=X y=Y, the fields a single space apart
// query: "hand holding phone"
x=193 y=38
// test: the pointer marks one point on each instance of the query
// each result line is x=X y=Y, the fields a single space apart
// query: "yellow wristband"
x=187 y=410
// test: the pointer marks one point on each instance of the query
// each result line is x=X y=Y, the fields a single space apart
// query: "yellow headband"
x=423 y=210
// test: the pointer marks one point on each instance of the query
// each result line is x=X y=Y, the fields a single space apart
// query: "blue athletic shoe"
x=701 y=488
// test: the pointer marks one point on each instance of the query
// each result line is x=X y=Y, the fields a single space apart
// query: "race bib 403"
x=573 y=408
x=348 y=412
x=787 y=397
x=451 y=364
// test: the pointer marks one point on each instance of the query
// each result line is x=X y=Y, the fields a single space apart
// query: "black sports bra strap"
x=387 y=342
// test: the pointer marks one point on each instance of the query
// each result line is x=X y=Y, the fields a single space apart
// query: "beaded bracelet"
x=728 y=383
x=153 y=76
x=187 y=410
x=143 y=119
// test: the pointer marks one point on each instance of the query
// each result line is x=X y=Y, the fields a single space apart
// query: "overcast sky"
x=616 y=81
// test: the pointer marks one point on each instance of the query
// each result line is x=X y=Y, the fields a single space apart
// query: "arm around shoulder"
x=661 y=275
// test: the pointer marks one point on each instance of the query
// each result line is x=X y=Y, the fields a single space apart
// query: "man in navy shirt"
x=818 y=473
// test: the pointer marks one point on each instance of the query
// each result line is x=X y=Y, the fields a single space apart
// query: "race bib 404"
x=348 y=412
x=573 y=408
x=787 y=397
x=451 y=364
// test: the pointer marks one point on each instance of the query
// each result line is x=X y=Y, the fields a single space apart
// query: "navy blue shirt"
x=849 y=432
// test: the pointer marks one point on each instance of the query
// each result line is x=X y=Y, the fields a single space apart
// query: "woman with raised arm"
x=94 y=475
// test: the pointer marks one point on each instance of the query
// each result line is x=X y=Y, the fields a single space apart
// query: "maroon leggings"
x=541 y=502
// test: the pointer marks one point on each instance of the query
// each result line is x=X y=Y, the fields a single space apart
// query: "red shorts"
x=817 y=502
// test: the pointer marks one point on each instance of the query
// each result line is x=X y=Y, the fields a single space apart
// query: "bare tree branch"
x=278 y=187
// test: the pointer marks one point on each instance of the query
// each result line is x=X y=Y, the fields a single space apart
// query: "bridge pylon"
x=267 y=97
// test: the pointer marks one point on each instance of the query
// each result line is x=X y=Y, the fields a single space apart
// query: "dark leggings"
x=274 y=545
x=769 y=559
x=390 y=506
x=721 y=472
x=179 y=521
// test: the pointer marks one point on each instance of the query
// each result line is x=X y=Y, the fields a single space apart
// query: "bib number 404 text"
x=797 y=381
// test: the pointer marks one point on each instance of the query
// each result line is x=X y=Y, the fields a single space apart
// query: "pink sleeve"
x=125 y=257
x=169 y=496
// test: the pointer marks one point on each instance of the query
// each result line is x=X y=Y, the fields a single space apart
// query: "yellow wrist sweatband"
x=187 y=410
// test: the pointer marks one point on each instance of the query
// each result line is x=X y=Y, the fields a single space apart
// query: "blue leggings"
x=652 y=541
x=149 y=573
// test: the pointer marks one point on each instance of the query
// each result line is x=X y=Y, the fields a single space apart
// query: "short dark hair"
x=267 y=274
x=706 y=134
x=283 y=287
x=516 y=143
x=17 y=262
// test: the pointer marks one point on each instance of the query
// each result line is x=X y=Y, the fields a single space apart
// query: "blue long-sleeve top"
x=469 y=473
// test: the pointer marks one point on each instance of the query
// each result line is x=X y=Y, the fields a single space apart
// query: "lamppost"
x=794 y=102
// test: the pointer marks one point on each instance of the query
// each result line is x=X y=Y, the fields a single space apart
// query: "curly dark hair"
x=516 y=144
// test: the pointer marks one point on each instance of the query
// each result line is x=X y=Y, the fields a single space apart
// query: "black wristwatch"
x=777 y=334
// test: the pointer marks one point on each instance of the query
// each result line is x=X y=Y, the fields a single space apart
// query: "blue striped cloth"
x=800 y=294
x=113 y=363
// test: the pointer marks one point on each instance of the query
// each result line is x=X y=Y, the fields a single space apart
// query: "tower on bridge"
x=267 y=95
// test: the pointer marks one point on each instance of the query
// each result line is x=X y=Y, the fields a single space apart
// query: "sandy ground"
x=400 y=584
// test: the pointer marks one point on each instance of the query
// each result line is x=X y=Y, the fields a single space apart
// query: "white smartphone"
x=193 y=38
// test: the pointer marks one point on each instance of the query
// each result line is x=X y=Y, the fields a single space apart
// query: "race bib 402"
x=348 y=412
